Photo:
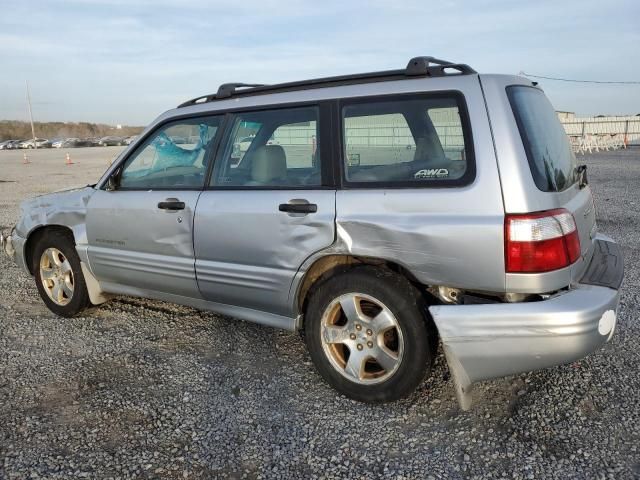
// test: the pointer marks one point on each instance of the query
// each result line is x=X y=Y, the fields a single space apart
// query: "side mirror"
x=112 y=183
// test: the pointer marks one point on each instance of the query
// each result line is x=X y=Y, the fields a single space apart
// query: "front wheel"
x=58 y=274
x=367 y=334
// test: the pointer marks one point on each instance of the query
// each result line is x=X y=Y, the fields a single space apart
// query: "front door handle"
x=298 y=206
x=172 y=204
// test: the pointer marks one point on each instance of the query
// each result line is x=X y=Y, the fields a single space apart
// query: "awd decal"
x=432 y=173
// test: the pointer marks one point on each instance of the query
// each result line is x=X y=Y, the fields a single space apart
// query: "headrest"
x=269 y=162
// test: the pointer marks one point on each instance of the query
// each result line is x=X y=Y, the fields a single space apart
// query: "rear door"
x=140 y=233
x=268 y=207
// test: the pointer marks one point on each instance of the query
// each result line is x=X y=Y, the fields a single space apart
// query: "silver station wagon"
x=383 y=214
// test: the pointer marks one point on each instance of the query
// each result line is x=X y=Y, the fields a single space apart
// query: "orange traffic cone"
x=68 y=160
x=25 y=159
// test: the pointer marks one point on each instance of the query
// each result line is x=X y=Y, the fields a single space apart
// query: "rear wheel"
x=367 y=334
x=58 y=274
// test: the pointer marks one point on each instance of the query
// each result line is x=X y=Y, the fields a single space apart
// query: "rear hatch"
x=551 y=160
x=538 y=172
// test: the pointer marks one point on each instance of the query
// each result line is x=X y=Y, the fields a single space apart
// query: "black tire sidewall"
x=64 y=243
x=405 y=303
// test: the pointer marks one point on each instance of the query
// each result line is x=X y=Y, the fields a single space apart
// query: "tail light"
x=540 y=242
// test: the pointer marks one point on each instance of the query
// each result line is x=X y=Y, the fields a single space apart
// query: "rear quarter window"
x=546 y=144
x=407 y=141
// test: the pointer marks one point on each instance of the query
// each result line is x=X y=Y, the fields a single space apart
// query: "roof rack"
x=417 y=67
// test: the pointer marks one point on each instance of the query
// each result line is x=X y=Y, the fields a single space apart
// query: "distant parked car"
x=241 y=146
x=68 y=143
x=87 y=142
x=52 y=141
x=38 y=143
x=13 y=144
x=90 y=142
x=111 y=141
x=3 y=145
x=129 y=140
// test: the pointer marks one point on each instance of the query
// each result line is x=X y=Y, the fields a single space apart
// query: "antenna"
x=33 y=131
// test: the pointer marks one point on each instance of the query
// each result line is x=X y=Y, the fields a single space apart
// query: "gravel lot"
x=144 y=389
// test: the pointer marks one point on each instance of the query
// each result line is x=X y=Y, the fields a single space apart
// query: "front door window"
x=174 y=157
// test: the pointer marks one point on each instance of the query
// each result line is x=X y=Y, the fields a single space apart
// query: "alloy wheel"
x=361 y=338
x=56 y=276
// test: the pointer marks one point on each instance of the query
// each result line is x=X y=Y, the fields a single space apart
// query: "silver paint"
x=133 y=242
x=66 y=208
x=443 y=236
x=520 y=192
x=234 y=253
x=236 y=311
x=494 y=340
x=248 y=252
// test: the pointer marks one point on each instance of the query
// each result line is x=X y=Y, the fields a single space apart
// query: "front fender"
x=65 y=209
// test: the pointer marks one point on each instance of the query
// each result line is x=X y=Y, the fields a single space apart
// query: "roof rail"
x=417 y=67
x=420 y=66
x=227 y=90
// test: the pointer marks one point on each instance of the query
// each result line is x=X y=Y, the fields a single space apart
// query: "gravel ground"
x=144 y=389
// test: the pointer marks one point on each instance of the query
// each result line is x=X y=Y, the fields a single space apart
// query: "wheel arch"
x=35 y=235
x=332 y=264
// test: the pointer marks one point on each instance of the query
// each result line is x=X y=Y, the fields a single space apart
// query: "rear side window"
x=551 y=159
x=407 y=141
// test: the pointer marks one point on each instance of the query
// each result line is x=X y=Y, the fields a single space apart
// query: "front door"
x=268 y=208
x=140 y=229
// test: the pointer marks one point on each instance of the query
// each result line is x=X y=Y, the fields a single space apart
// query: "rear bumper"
x=494 y=340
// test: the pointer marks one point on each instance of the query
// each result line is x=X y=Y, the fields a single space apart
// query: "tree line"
x=18 y=130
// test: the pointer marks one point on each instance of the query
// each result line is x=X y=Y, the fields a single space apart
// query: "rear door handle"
x=302 y=207
x=172 y=204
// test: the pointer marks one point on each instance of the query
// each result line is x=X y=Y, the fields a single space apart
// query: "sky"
x=127 y=61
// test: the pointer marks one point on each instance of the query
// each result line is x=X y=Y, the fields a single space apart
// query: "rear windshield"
x=550 y=157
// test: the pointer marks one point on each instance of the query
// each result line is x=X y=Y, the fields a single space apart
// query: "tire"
x=390 y=313
x=72 y=296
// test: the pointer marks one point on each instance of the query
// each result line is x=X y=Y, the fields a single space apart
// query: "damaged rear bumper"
x=493 y=340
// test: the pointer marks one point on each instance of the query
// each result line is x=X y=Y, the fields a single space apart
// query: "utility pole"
x=33 y=131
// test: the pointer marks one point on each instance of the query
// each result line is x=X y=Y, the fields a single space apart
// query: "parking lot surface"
x=145 y=389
